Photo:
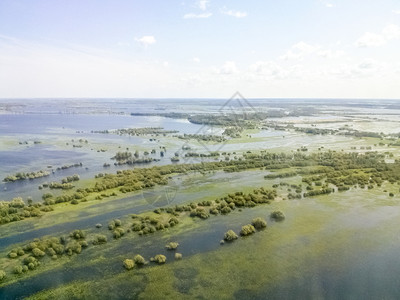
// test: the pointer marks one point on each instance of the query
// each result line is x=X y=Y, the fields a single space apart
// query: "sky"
x=200 y=48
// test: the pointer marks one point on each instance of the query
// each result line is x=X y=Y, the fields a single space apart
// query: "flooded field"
x=340 y=242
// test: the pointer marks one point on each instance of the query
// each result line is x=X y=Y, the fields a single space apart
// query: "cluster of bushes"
x=319 y=192
x=281 y=175
x=210 y=154
x=58 y=185
x=65 y=167
x=115 y=227
x=72 y=178
x=203 y=137
x=16 y=210
x=257 y=223
x=23 y=176
x=146 y=225
x=143 y=131
x=54 y=247
x=233 y=131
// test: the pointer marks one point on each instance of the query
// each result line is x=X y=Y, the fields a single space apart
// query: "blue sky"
x=121 y=48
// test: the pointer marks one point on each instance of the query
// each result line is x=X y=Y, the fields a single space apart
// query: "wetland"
x=164 y=199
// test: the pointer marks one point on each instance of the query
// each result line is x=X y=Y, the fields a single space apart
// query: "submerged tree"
x=259 y=223
x=277 y=215
x=230 y=235
x=129 y=264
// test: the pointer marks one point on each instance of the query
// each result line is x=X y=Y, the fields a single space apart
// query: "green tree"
x=129 y=264
x=230 y=235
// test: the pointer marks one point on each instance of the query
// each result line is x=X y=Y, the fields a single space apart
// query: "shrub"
x=18 y=269
x=129 y=264
x=247 y=230
x=159 y=258
x=99 y=239
x=12 y=255
x=173 y=221
x=77 y=234
x=171 y=245
x=29 y=259
x=259 y=223
x=138 y=259
x=37 y=252
x=118 y=232
x=230 y=235
x=277 y=215
x=2 y=275
x=178 y=255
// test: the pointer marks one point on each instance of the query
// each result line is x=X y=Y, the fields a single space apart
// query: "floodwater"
x=350 y=253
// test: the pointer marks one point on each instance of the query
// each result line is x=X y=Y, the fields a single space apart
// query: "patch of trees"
x=126 y=157
x=53 y=247
x=210 y=154
x=202 y=137
x=233 y=131
x=138 y=131
x=147 y=224
x=24 y=176
x=16 y=210
x=65 y=167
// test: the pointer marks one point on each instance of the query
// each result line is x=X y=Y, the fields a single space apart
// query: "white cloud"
x=235 y=13
x=197 y=16
x=368 y=39
x=299 y=51
x=196 y=60
x=397 y=12
x=228 y=68
x=327 y=3
x=202 y=4
x=391 y=32
x=365 y=68
x=330 y=54
x=165 y=64
x=269 y=70
x=146 y=40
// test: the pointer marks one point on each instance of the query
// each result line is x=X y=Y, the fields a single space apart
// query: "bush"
x=118 y=232
x=230 y=235
x=129 y=264
x=12 y=255
x=247 y=230
x=277 y=215
x=178 y=255
x=2 y=275
x=159 y=258
x=99 y=239
x=77 y=234
x=259 y=223
x=37 y=252
x=18 y=270
x=171 y=245
x=138 y=259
